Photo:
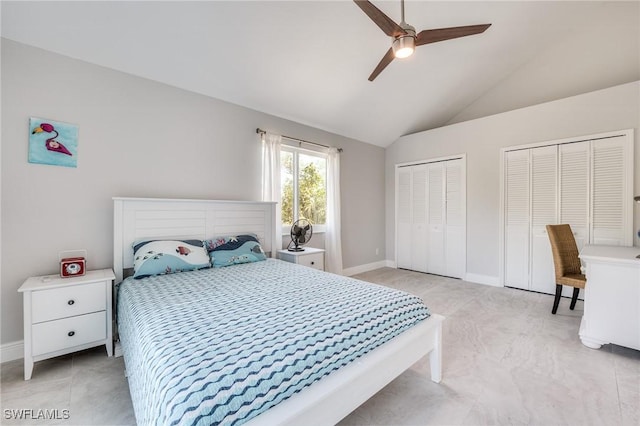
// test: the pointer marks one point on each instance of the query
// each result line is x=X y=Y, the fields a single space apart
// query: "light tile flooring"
x=507 y=360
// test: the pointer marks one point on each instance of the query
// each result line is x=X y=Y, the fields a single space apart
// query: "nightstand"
x=311 y=257
x=64 y=315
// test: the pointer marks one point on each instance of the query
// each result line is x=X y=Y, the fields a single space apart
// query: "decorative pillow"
x=168 y=256
x=227 y=251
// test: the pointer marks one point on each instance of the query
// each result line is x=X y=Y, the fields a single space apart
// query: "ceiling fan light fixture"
x=403 y=46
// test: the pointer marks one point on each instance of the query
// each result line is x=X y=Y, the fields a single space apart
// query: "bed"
x=169 y=326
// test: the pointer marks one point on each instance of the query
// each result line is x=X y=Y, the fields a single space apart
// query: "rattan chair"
x=566 y=263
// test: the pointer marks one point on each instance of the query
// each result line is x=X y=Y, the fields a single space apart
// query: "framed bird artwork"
x=53 y=142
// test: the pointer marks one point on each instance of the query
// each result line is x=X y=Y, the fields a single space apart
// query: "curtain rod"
x=262 y=132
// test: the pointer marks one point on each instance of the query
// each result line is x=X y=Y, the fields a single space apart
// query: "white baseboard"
x=473 y=278
x=483 y=279
x=364 y=268
x=11 y=351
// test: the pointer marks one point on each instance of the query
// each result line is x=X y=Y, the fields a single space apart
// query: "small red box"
x=72 y=267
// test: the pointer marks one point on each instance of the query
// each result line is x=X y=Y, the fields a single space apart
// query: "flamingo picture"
x=51 y=144
x=51 y=133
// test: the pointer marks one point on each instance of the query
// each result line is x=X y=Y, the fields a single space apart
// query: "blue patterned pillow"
x=168 y=256
x=227 y=251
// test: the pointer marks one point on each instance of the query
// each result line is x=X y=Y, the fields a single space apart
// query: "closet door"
x=517 y=219
x=610 y=192
x=435 y=231
x=419 y=236
x=455 y=219
x=431 y=217
x=403 y=218
x=544 y=163
x=587 y=184
x=574 y=189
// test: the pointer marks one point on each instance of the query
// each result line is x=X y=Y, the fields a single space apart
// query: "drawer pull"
x=71 y=302
x=71 y=333
x=313 y=263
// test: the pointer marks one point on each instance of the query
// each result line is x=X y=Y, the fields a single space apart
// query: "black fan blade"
x=385 y=23
x=306 y=228
x=442 y=34
x=302 y=239
x=296 y=229
x=386 y=60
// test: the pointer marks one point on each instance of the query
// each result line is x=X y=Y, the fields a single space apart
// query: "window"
x=303 y=177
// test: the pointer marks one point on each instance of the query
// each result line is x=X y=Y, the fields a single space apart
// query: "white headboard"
x=136 y=219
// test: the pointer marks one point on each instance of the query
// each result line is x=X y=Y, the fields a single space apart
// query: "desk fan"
x=301 y=232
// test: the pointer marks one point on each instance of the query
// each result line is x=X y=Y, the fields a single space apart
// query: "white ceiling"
x=308 y=61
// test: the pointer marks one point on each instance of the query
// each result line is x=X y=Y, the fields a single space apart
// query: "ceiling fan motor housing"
x=404 y=44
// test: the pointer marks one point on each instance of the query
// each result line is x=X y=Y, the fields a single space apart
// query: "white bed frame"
x=326 y=401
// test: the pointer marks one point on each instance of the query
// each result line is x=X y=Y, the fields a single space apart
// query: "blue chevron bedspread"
x=220 y=346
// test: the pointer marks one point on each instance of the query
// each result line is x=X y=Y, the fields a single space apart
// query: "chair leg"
x=556 y=301
x=574 y=298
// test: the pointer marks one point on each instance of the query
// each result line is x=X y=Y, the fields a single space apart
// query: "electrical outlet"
x=377 y=251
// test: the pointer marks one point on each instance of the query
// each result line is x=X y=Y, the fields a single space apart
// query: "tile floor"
x=507 y=360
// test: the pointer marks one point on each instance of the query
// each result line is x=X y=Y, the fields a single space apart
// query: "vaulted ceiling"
x=308 y=61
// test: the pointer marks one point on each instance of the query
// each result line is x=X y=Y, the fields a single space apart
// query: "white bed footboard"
x=335 y=396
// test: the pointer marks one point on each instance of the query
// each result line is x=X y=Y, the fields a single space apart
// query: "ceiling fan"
x=404 y=35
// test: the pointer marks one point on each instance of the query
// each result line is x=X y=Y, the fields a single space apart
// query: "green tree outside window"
x=311 y=179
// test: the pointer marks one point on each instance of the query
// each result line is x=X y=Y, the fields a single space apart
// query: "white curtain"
x=332 y=238
x=271 y=181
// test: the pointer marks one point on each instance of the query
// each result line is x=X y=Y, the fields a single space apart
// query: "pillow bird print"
x=53 y=142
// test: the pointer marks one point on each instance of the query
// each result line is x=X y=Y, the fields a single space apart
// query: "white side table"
x=64 y=315
x=311 y=257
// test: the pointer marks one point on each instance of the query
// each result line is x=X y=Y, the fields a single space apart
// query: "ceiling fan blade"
x=386 y=60
x=385 y=23
x=441 y=34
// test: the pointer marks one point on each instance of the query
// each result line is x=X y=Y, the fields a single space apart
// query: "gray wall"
x=140 y=138
x=606 y=110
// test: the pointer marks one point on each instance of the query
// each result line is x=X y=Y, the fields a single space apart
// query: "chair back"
x=564 y=249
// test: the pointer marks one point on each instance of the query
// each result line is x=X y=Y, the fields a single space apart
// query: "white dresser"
x=64 y=315
x=612 y=296
x=311 y=257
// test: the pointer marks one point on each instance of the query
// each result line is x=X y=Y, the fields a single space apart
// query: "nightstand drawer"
x=65 y=302
x=315 y=261
x=68 y=332
x=310 y=257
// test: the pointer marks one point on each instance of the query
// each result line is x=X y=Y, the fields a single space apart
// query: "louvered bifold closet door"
x=574 y=189
x=455 y=219
x=574 y=193
x=609 y=192
x=435 y=231
x=419 y=212
x=403 y=218
x=544 y=165
x=517 y=219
